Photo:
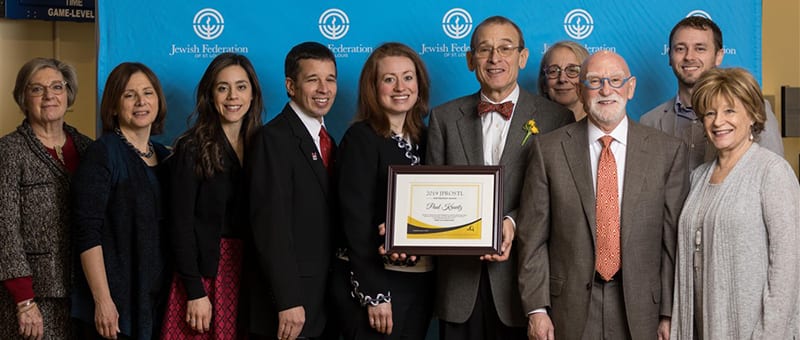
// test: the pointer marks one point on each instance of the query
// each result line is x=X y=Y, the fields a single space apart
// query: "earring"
x=751 y=136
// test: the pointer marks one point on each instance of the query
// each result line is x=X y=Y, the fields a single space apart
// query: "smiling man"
x=477 y=297
x=291 y=204
x=695 y=46
x=598 y=218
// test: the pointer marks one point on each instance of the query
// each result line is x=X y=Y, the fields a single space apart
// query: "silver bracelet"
x=366 y=299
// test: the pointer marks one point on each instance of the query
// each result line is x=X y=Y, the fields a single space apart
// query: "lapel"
x=636 y=168
x=667 y=121
x=524 y=111
x=306 y=146
x=576 y=152
x=469 y=130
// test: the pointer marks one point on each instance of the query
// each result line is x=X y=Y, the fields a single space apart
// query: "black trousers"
x=483 y=323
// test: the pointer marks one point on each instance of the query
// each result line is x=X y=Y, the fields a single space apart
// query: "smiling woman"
x=118 y=213
x=741 y=217
x=391 y=299
x=207 y=210
x=558 y=75
x=36 y=162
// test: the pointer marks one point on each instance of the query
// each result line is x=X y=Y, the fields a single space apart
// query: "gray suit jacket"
x=663 y=117
x=556 y=227
x=455 y=138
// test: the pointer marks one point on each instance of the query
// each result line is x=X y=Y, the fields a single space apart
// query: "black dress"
x=363 y=163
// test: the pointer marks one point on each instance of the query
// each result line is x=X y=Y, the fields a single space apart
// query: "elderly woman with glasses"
x=36 y=161
x=558 y=77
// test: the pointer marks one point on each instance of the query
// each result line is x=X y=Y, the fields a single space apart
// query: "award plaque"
x=444 y=210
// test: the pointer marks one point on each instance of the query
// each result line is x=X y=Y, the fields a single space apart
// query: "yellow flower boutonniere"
x=530 y=129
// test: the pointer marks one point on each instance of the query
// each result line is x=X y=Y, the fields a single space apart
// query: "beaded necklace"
x=147 y=154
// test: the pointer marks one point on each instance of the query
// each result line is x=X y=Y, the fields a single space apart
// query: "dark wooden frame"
x=497 y=204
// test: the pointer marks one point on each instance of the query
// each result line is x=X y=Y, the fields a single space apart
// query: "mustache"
x=615 y=97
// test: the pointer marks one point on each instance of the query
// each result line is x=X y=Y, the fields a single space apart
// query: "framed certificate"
x=444 y=210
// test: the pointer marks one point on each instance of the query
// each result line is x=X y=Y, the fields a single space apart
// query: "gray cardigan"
x=34 y=212
x=751 y=231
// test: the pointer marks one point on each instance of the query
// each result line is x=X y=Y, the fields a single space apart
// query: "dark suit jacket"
x=290 y=212
x=455 y=138
x=203 y=210
x=364 y=158
x=556 y=227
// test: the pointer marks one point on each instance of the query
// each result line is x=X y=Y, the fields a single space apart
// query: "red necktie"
x=325 y=148
x=505 y=108
x=607 y=252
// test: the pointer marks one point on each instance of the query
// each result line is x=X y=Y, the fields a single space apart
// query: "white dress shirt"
x=312 y=124
x=618 y=147
x=495 y=129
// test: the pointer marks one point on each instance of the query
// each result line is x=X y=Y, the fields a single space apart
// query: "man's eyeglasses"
x=503 y=51
x=595 y=83
x=37 y=90
x=554 y=71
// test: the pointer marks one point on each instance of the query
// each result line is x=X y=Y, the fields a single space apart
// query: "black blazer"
x=363 y=162
x=291 y=203
x=202 y=211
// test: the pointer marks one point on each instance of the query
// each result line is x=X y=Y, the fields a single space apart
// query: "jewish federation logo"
x=208 y=24
x=578 y=24
x=334 y=24
x=699 y=13
x=457 y=23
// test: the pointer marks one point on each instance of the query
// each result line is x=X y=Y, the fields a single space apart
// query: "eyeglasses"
x=503 y=51
x=37 y=90
x=554 y=71
x=595 y=83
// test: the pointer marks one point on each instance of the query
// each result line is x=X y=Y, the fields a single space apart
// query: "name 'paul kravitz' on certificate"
x=444 y=210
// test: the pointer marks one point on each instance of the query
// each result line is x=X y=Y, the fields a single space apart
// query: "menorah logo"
x=578 y=24
x=334 y=24
x=208 y=24
x=699 y=13
x=457 y=23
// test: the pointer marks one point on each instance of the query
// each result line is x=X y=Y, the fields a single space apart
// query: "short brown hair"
x=34 y=65
x=729 y=84
x=369 y=109
x=698 y=23
x=580 y=52
x=115 y=87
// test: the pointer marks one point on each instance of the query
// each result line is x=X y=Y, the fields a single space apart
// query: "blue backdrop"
x=178 y=39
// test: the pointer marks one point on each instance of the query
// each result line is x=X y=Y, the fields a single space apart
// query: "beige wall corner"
x=781 y=58
x=74 y=43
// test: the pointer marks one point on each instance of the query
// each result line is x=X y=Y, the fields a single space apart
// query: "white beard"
x=608 y=115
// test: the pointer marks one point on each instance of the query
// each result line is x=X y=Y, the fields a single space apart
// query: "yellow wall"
x=781 y=58
x=74 y=43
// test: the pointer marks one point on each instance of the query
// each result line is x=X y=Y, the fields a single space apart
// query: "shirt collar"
x=513 y=97
x=312 y=124
x=620 y=133
x=684 y=110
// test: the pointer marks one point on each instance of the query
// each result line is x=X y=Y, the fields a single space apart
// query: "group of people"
x=244 y=230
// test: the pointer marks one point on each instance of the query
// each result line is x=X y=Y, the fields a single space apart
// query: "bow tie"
x=504 y=108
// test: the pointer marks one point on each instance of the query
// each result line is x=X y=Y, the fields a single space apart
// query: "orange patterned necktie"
x=607 y=252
